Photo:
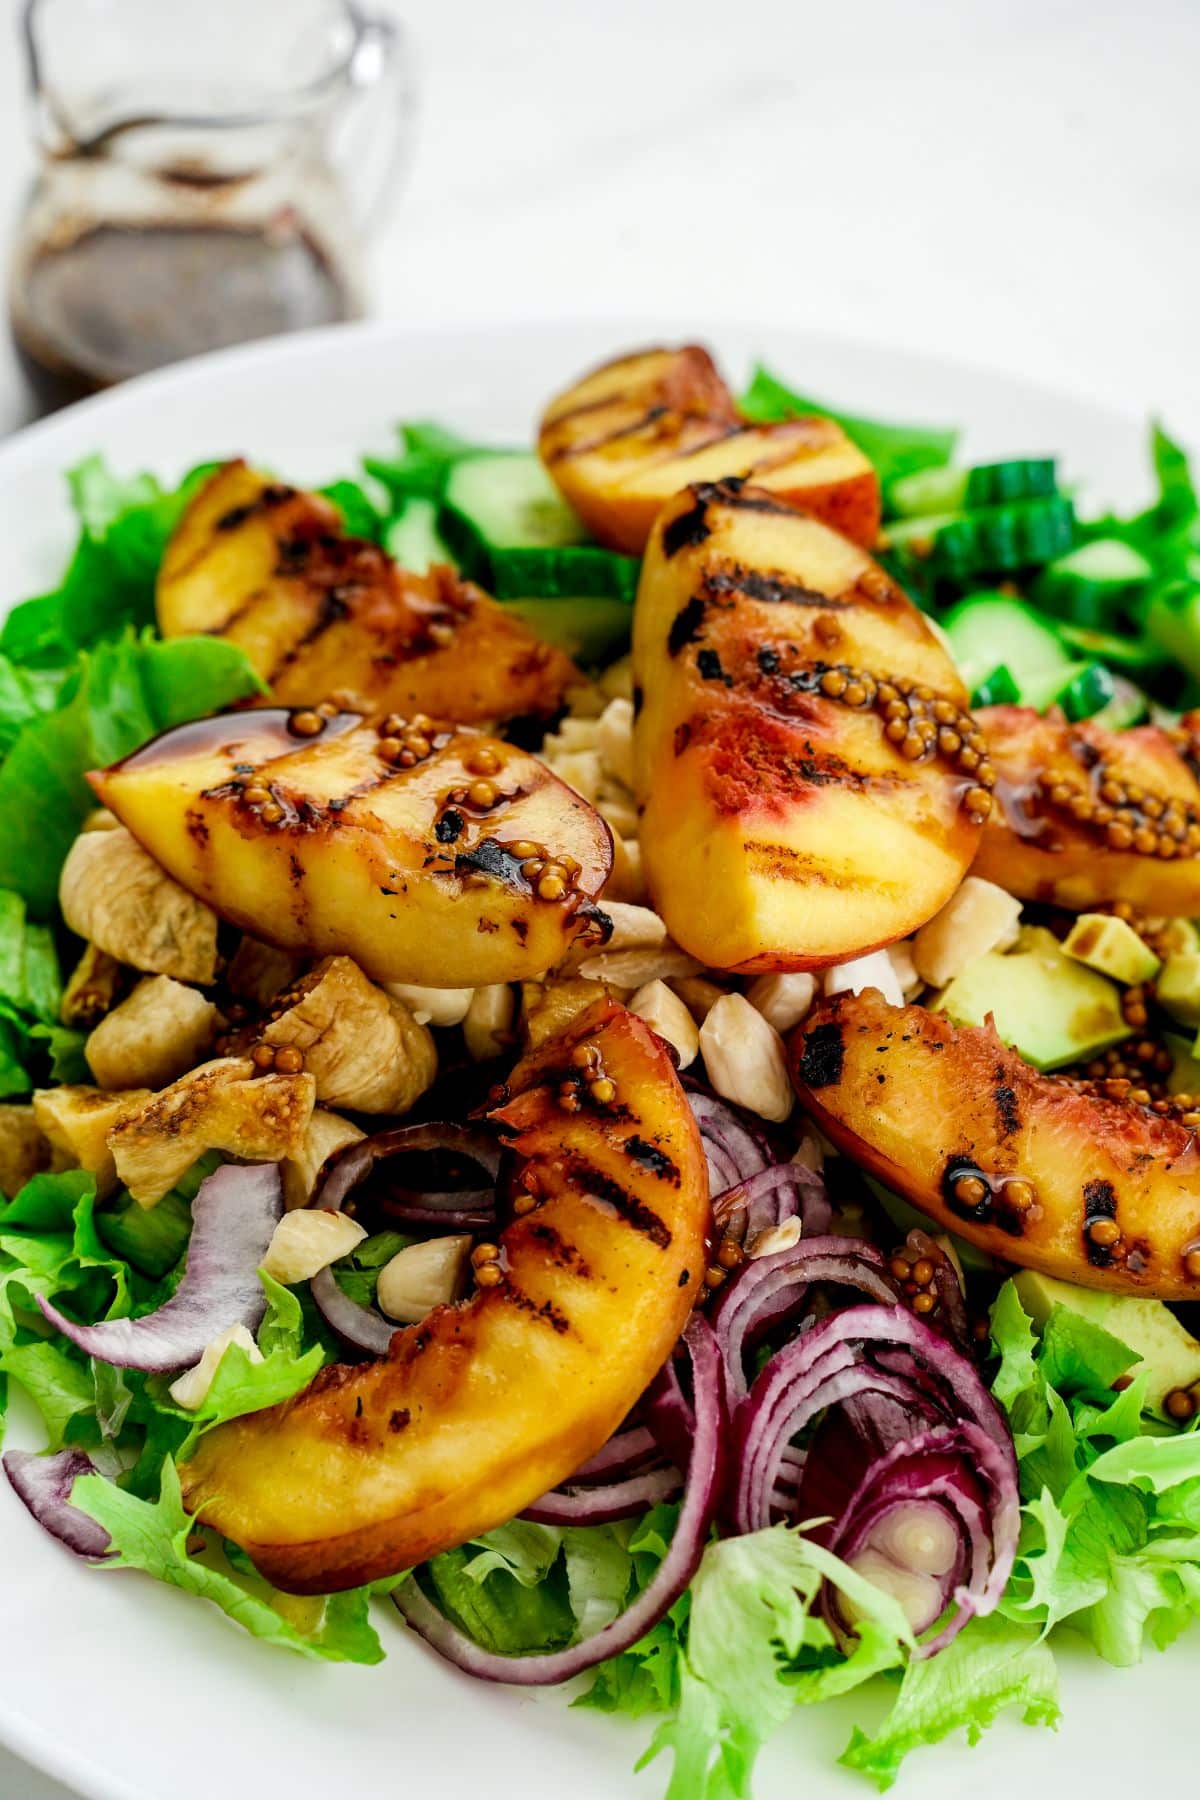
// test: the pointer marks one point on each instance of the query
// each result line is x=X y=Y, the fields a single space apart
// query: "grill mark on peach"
x=569 y=452
x=597 y=1185
x=772 y=590
x=686 y=625
x=1099 y=1202
x=515 y=1296
x=331 y=611
x=823 y=1056
x=651 y=1158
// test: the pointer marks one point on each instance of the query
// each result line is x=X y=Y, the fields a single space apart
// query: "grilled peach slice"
x=1032 y=1168
x=629 y=435
x=488 y=1403
x=1087 y=816
x=811 y=782
x=436 y=856
x=320 y=613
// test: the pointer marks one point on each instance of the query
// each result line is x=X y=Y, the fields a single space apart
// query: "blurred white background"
x=1013 y=183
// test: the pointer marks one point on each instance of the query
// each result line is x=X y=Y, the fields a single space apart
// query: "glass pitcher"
x=207 y=175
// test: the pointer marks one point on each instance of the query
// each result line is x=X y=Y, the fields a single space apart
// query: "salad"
x=597 y=1060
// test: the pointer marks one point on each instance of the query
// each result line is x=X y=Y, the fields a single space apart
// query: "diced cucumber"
x=997 y=689
x=1173 y=622
x=1128 y=706
x=932 y=492
x=989 y=629
x=1087 y=692
x=507 y=499
x=1000 y=483
x=1137 y=654
x=413 y=538
x=574 y=572
x=592 y=631
x=993 y=540
x=1090 y=585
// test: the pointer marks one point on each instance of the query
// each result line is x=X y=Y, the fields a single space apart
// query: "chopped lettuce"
x=894 y=449
x=154 y=1536
x=1110 y=1494
x=122 y=693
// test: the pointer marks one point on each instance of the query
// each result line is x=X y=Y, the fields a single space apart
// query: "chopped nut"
x=307 y=1241
x=100 y=819
x=873 y=971
x=191 y=1388
x=423 y=1276
x=698 y=994
x=326 y=1133
x=488 y=1026
x=220 y=1106
x=580 y=769
x=24 y=1148
x=744 y=1058
x=666 y=1014
x=901 y=958
x=362 y=1047
x=774 y=1238
x=157 y=1034
x=783 y=1000
x=90 y=990
x=115 y=896
x=634 y=968
x=77 y=1120
x=627 y=881
x=977 y=918
x=432 y=1006
x=548 y=1008
x=615 y=740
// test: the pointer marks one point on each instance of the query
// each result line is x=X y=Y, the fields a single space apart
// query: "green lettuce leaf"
x=894 y=449
x=125 y=693
x=757 y=1647
x=153 y=1536
x=991 y=1665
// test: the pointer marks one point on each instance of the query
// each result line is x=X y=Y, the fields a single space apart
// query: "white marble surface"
x=1016 y=183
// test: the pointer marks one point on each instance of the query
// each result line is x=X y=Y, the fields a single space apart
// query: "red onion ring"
x=364 y=1328
x=768 y=1197
x=769 y=1290
x=669 y=1581
x=469 y=1210
x=573 y=1505
x=632 y=1448
x=960 y=1472
x=43 y=1485
x=735 y=1149
x=234 y=1215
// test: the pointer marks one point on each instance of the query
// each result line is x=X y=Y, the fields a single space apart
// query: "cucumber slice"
x=592 y=631
x=1087 y=692
x=993 y=540
x=1128 y=706
x=413 y=538
x=1090 y=585
x=997 y=689
x=1134 y=654
x=932 y=492
x=507 y=499
x=574 y=572
x=990 y=629
x=1173 y=622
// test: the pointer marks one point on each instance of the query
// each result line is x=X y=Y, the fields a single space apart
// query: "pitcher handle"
x=379 y=119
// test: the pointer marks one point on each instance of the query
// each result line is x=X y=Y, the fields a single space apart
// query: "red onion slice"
x=632 y=1449
x=957 y=1481
x=669 y=1581
x=879 y=1350
x=359 y=1327
x=734 y=1148
x=467 y=1210
x=768 y=1197
x=234 y=1216
x=43 y=1484
x=769 y=1290
x=571 y=1505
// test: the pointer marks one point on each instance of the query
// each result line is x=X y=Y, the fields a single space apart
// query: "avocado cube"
x=1112 y=947
x=1178 y=987
x=1185 y=1067
x=1169 y=1352
x=1046 y=1005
